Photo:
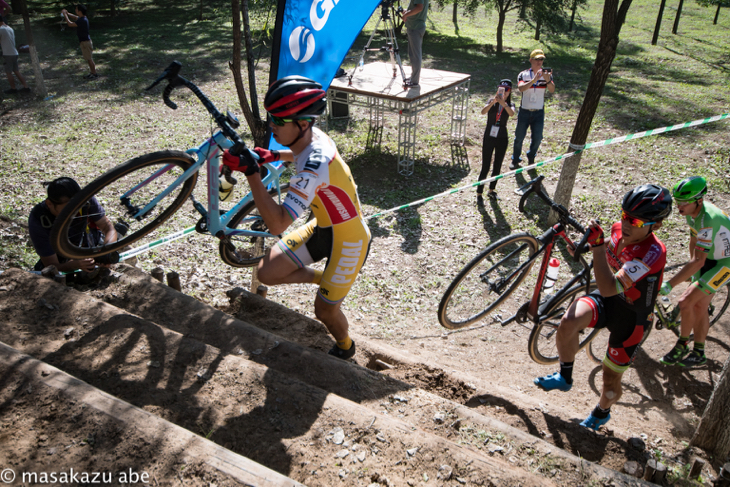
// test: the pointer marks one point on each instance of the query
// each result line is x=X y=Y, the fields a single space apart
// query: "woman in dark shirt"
x=498 y=110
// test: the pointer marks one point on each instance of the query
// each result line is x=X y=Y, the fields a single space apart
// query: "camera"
x=387 y=3
x=547 y=70
x=500 y=91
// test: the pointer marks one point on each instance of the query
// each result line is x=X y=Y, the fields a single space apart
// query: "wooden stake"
x=158 y=274
x=261 y=290
x=173 y=280
x=697 y=465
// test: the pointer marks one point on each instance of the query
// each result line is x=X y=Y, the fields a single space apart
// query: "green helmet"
x=690 y=189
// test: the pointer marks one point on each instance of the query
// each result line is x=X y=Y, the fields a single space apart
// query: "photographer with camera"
x=94 y=229
x=498 y=110
x=532 y=84
x=415 y=19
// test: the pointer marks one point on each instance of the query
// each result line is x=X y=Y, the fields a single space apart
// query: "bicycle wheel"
x=248 y=251
x=487 y=280
x=541 y=344
x=148 y=176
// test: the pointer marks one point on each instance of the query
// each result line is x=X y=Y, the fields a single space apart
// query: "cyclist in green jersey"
x=709 y=269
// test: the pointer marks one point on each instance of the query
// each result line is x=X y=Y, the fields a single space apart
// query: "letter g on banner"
x=319 y=21
x=301 y=44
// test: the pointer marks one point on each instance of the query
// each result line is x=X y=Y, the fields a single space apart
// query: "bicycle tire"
x=108 y=189
x=250 y=250
x=472 y=294
x=541 y=345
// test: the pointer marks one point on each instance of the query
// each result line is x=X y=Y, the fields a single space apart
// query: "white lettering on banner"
x=301 y=37
x=327 y=5
x=301 y=40
x=346 y=265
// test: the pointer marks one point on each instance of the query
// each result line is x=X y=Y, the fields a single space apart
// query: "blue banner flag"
x=312 y=37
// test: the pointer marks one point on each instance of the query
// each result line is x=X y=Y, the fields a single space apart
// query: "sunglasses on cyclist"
x=280 y=122
x=635 y=222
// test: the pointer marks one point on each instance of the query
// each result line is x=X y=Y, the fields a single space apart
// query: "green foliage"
x=714 y=3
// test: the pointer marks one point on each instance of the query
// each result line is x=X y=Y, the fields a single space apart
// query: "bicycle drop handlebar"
x=172 y=74
x=535 y=186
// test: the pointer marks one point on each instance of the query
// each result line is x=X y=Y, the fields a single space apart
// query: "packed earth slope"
x=254 y=393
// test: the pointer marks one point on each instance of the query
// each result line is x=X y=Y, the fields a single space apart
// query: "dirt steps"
x=33 y=393
x=247 y=407
x=248 y=390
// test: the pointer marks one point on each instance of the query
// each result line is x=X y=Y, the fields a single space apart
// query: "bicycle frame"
x=209 y=152
x=533 y=310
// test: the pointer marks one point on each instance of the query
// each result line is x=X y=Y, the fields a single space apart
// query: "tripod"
x=391 y=46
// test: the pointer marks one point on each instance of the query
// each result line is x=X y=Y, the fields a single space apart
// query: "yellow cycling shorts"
x=345 y=245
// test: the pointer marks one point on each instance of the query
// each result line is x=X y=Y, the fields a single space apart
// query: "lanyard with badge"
x=495 y=128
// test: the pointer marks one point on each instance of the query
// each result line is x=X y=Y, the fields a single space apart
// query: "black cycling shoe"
x=343 y=354
x=694 y=359
x=675 y=355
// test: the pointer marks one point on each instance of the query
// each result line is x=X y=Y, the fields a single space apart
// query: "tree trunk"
x=200 y=15
x=40 y=85
x=16 y=6
x=676 y=18
x=251 y=67
x=717 y=14
x=500 y=28
x=454 y=18
x=255 y=124
x=537 y=29
x=655 y=37
x=572 y=15
x=713 y=432
x=112 y=8
x=613 y=18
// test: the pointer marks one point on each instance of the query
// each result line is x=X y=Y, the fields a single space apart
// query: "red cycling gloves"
x=595 y=238
x=249 y=160
x=267 y=156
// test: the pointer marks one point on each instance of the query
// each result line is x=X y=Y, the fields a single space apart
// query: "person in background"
x=81 y=22
x=532 y=83
x=498 y=110
x=5 y=9
x=10 y=57
x=415 y=19
x=94 y=229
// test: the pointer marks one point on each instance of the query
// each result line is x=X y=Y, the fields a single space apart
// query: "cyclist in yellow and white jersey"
x=323 y=182
x=709 y=269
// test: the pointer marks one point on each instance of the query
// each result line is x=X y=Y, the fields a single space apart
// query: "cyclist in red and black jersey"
x=628 y=271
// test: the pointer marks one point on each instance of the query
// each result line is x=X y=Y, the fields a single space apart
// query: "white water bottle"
x=360 y=64
x=225 y=189
x=552 y=275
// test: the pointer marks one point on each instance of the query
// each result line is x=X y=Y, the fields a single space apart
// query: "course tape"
x=591 y=145
x=156 y=243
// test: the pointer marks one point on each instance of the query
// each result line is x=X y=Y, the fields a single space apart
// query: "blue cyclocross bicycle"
x=145 y=193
